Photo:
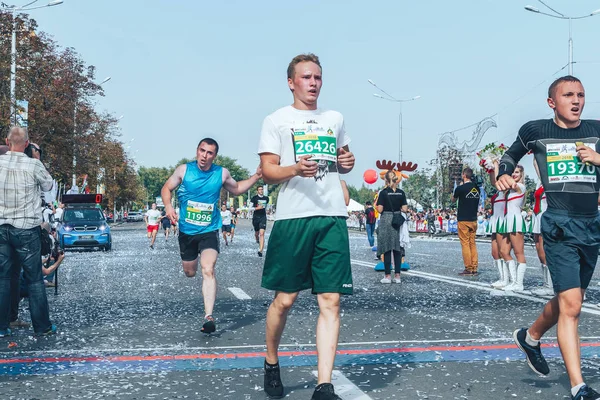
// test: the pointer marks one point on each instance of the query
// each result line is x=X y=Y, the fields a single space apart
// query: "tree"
x=62 y=119
x=153 y=179
x=421 y=187
x=361 y=195
x=530 y=186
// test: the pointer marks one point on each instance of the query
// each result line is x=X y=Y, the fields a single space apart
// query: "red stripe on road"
x=263 y=354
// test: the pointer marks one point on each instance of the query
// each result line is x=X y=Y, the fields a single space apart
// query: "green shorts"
x=309 y=253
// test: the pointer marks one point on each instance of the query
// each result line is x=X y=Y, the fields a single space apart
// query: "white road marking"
x=399 y=343
x=345 y=388
x=477 y=285
x=239 y=293
x=422 y=254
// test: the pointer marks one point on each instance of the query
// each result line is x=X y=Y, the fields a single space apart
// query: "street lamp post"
x=389 y=97
x=74 y=178
x=560 y=15
x=13 y=50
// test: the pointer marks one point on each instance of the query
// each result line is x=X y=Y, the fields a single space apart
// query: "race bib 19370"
x=565 y=166
x=317 y=143
x=199 y=214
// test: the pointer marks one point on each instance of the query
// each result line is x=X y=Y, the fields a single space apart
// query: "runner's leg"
x=154 y=232
x=208 y=260
x=261 y=235
x=276 y=319
x=328 y=332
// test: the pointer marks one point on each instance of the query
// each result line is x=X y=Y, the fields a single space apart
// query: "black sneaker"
x=260 y=253
x=273 y=385
x=325 y=391
x=586 y=393
x=209 y=325
x=535 y=359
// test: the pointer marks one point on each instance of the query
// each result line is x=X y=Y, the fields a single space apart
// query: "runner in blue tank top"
x=199 y=221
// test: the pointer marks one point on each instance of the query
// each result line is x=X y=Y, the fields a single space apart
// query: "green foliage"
x=153 y=179
x=530 y=186
x=238 y=173
x=361 y=195
x=421 y=187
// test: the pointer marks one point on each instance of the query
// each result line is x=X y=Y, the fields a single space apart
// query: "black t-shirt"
x=234 y=216
x=468 y=201
x=260 y=201
x=397 y=199
x=569 y=184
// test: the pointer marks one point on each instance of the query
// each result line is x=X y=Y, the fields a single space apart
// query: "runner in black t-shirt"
x=566 y=151
x=467 y=195
x=259 y=218
x=234 y=217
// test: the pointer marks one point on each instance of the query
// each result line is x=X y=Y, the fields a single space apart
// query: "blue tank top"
x=199 y=195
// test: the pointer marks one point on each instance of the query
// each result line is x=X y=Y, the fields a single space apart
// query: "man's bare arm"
x=170 y=185
x=274 y=173
x=237 y=188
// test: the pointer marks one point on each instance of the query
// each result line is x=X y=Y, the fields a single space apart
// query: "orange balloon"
x=370 y=176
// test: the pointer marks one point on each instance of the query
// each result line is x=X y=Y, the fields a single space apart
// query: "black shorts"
x=259 y=222
x=192 y=245
x=226 y=228
x=571 y=245
x=166 y=225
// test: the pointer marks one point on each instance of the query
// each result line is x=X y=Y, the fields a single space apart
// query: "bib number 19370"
x=565 y=166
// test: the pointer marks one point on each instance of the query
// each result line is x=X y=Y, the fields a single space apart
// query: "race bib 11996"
x=565 y=166
x=199 y=214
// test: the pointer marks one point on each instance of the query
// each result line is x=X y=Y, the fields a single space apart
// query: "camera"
x=30 y=149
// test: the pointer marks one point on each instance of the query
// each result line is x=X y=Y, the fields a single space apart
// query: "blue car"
x=84 y=227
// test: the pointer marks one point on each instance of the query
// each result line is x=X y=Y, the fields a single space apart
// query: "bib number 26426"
x=319 y=147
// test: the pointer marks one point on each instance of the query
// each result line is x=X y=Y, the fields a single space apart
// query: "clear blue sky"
x=183 y=70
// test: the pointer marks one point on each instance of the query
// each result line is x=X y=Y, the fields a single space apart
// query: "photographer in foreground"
x=22 y=180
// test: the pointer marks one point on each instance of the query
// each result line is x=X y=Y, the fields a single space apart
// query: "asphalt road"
x=129 y=328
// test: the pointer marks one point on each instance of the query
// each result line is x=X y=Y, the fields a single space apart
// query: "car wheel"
x=108 y=247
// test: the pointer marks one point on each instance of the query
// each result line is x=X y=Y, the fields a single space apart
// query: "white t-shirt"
x=153 y=216
x=288 y=133
x=58 y=213
x=226 y=217
x=46 y=214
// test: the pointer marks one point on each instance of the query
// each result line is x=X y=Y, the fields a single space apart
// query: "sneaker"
x=325 y=391
x=386 y=280
x=5 y=333
x=535 y=359
x=152 y=246
x=209 y=325
x=260 y=253
x=465 y=272
x=50 y=331
x=273 y=385
x=586 y=393
x=19 y=324
x=397 y=280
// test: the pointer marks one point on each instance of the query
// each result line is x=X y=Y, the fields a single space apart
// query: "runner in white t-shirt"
x=152 y=219
x=306 y=148
x=226 y=227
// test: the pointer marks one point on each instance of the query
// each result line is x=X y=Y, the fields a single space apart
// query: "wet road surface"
x=129 y=328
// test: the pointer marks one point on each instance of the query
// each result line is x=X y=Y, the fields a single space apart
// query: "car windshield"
x=90 y=214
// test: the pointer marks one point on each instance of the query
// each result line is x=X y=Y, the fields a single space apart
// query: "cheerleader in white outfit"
x=496 y=228
x=514 y=235
x=538 y=209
